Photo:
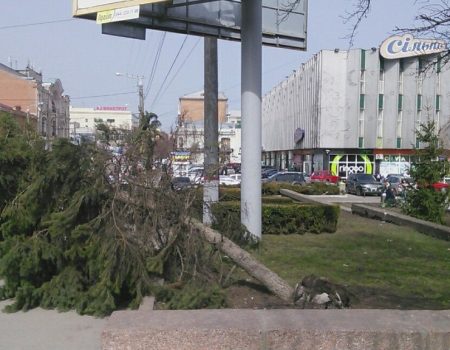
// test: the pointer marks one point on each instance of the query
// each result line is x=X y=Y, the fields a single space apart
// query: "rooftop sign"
x=397 y=46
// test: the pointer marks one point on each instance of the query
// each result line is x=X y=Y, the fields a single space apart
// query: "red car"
x=440 y=186
x=324 y=176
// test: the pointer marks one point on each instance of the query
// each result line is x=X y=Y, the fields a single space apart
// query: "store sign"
x=299 y=134
x=180 y=156
x=118 y=15
x=397 y=46
x=343 y=165
x=111 y=108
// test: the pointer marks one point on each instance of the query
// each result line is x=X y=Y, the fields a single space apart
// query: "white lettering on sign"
x=351 y=169
x=407 y=46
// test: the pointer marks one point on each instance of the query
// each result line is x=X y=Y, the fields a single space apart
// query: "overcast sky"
x=75 y=51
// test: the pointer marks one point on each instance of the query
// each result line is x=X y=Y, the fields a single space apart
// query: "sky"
x=86 y=61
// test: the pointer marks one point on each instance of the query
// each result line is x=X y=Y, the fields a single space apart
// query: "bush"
x=315 y=188
x=278 y=219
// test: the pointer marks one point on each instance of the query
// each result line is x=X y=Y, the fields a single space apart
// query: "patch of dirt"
x=245 y=294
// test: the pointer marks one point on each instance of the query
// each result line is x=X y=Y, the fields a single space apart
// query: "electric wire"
x=37 y=23
x=181 y=66
x=169 y=71
x=155 y=64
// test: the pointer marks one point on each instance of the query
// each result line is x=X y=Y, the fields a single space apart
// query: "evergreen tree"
x=78 y=236
x=424 y=202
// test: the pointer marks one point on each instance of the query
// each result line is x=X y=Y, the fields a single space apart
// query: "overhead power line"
x=181 y=65
x=106 y=95
x=36 y=23
x=168 y=72
x=155 y=65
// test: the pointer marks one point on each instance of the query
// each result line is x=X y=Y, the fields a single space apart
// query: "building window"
x=420 y=65
x=419 y=102
x=54 y=127
x=53 y=107
x=363 y=59
x=399 y=142
x=399 y=124
x=381 y=64
x=402 y=65
x=438 y=64
x=44 y=126
x=400 y=102
x=417 y=144
x=380 y=101
x=438 y=102
x=362 y=101
x=361 y=142
x=380 y=124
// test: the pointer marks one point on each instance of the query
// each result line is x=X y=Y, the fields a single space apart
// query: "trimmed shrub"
x=278 y=219
x=315 y=188
x=277 y=200
x=227 y=194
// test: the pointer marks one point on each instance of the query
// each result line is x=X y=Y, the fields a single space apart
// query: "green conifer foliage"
x=93 y=231
x=428 y=168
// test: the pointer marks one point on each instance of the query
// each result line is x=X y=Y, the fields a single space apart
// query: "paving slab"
x=39 y=329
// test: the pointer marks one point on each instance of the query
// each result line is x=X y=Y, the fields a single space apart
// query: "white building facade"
x=354 y=111
x=190 y=137
x=83 y=121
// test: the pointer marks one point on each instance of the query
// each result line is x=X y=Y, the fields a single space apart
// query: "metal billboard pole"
x=211 y=129
x=251 y=71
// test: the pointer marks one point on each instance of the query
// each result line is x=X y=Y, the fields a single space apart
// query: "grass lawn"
x=384 y=265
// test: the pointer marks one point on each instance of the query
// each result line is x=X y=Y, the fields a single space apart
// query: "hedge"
x=315 y=188
x=278 y=218
x=269 y=189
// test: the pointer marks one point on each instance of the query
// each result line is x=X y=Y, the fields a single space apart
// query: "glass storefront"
x=395 y=164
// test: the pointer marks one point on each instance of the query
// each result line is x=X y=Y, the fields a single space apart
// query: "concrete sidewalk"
x=40 y=329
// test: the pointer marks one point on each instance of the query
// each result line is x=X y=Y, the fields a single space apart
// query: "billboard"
x=283 y=25
x=89 y=7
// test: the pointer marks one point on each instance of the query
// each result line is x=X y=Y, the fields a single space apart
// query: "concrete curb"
x=278 y=329
x=428 y=228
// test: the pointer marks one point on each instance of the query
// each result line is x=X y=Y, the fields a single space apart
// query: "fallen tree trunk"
x=242 y=258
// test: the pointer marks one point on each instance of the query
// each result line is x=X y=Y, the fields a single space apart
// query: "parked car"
x=363 y=184
x=228 y=180
x=398 y=182
x=441 y=186
x=268 y=173
x=324 y=176
x=291 y=177
x=236 y=177
x=181 y=183
x=195 y=174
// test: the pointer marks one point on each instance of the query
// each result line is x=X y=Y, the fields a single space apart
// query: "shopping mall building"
x=358 y=110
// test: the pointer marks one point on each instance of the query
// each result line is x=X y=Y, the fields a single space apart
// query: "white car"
x=236 y=177
x=227 y=180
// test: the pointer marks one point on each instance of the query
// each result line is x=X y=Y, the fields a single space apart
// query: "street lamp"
x=140 y=85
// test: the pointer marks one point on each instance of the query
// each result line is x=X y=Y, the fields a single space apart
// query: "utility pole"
x=141 y=96
x=211 y=129
x=140 y=85
x=251 y=77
